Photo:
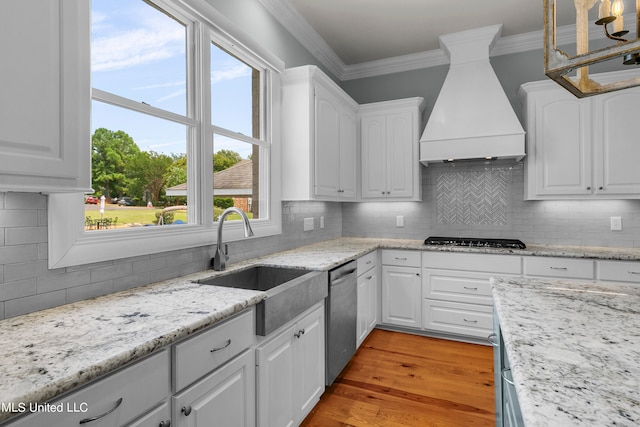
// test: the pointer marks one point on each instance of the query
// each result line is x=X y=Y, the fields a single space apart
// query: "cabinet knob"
x=186 y=410
x=600 y=188
x=588 y=188
x=165 y=423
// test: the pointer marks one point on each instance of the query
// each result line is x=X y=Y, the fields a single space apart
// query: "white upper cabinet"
x=45 y=102
x=319 y=138
x=389 y=150
x=580 y=148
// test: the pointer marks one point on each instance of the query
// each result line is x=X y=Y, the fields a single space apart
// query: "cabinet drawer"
x=154 y=418
x=367 y=262
x=499 y=264
x=463 y=319
x=204 y=352
x=460 y=286
x=141 y=386
x=558 y=267
x=619 y=271
x=401 y=258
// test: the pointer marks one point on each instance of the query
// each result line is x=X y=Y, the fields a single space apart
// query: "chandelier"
x=558 y=64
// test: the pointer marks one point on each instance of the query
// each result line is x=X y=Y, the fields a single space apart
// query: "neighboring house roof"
x=234 y=181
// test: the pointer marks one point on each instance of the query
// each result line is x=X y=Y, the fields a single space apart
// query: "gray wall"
x=27 y=285
x=579 y=223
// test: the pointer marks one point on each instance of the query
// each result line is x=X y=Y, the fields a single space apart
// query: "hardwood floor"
x=398 y=379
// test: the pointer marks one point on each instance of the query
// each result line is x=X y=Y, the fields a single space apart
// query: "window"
x=183 y=122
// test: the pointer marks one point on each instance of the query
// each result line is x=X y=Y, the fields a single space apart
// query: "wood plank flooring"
x=398 y=379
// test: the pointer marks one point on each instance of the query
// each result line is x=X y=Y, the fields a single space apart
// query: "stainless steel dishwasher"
x=341 y=319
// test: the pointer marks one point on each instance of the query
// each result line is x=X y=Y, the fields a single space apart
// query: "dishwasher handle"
x=343 y=277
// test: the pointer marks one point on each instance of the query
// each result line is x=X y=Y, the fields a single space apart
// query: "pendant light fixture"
x=559 y=64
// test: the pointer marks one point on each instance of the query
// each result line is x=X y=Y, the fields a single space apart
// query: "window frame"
x=69 y=244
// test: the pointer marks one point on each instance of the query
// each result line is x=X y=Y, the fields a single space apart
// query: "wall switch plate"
x=616 y=223
x=321 y=222
x=399 y=221
x=308 y=224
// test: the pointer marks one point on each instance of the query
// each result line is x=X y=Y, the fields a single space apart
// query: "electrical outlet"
x=399 y=221
x=308 y=224
x=616 y=223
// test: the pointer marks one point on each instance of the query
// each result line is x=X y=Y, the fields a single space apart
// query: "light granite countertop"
x=574 y=349
x=51 y=352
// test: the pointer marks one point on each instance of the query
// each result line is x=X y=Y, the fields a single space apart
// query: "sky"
x=138 y=52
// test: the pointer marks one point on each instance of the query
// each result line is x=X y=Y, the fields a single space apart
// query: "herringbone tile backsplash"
x=472 y=197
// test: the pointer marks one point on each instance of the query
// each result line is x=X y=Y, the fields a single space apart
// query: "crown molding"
x=292 y=21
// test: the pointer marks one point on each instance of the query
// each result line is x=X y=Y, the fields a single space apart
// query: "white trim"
x=70 y=245
x=288 y=16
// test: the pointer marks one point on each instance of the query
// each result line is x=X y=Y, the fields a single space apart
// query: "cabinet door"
x=275 y=377
x=309 y=362
x=226 y=396
x=401 y=296
x=559 y=146
x=367 y=305
x=45 y=102
x=616 y=142
x=374 y=162
x=327 y=144
x=400 y=157
x=347 y=158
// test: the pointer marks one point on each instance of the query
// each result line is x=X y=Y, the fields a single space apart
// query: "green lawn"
x=133 y=216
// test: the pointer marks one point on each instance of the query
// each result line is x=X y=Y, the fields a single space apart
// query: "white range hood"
x=472 y=117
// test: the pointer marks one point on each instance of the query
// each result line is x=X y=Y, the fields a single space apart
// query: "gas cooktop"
x=476 y=242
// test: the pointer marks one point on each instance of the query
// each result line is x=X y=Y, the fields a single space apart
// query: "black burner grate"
x=475 y=242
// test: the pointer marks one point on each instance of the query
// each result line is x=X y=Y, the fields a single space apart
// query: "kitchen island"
x=574 y=349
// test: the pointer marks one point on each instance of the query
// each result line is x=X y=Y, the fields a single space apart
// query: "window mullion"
x=140 y=107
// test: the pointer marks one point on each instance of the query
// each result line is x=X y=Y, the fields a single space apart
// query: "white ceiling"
x=366 y=30
x=359 y=38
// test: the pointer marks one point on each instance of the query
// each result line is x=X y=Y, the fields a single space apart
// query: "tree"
x=177 y=172
x=111 y=153
x=224 y=159
x=148 y=172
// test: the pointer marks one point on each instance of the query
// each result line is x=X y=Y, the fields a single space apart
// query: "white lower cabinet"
x=401 y=288
x=457 y=292
x=618 y=271
x=128 y=397
x=560 y=268
x=367 y=296
x=225 y=397
x=214 y=375
x=291 y=370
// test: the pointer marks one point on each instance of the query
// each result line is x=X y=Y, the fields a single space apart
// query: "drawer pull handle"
x=228 y=343
x=165 y=423
x=88 y=420
x=558 y=268
x=493 y=339
x=504 y=377
x=633 y=272
x=469 y=288
x=401 y=258
x=186 y=410
x=470 y=321
x=299 y=333
x=370 y=277
x=369 y=262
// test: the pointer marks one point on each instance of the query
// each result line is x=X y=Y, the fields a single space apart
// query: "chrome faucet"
x=220 y=257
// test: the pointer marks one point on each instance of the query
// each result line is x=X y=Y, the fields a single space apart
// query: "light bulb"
x=616 y=10
x=605 y=9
